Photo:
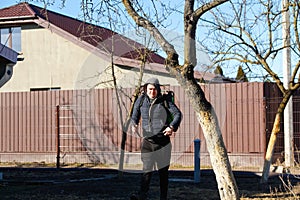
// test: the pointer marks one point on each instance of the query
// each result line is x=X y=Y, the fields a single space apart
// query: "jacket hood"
x=155 y=82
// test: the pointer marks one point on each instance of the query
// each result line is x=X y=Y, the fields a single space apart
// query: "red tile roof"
x=19 y=10
x=95 y=35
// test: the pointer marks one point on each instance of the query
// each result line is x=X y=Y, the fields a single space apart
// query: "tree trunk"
x=218 y=154
x=273 y=138
x=270 y=149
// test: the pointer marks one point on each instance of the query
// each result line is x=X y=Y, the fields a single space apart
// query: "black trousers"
x=156 y=152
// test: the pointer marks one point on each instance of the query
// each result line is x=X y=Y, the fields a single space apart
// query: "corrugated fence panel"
x=273 y=98
x=259 y=109
x=188 y=130
x=7 y=123
x=10 y=123
x=43 y=121
x=24 y=112
x=242 y=108
x=14 y=119
x=296 y=117
x=133 y=141
x=240 y=111
x=24 y=122
x=228 y=119
x=240 y=135
x=92 y=120
x=6 y=115
x=116 y=117
x=232 y=120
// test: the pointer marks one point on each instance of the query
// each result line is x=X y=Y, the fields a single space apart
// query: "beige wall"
x=51 y=60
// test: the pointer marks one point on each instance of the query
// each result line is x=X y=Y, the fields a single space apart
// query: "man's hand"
x=168 y=131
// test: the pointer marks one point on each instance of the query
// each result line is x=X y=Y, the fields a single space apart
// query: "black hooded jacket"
x=154 y=114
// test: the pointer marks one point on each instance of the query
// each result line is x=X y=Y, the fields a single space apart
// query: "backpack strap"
x=169 y=96
x=166 y=103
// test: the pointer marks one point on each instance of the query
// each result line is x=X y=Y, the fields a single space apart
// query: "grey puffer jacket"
x=154 y=115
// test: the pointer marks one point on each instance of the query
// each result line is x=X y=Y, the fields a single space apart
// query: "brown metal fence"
x=86 y=125
x=296 y=127
x=272 y=103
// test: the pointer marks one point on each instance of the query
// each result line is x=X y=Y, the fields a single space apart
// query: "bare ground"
x=83 y=183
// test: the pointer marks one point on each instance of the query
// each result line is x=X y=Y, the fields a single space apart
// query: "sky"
x=72 y=8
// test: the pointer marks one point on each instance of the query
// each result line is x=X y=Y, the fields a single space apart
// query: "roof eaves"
x=17 y=18
x=136 y=64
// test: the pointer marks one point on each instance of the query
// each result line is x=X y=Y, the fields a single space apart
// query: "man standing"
x=157 y=129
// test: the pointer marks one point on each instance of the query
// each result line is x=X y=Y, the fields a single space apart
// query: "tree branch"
x=206 y=7
x=172 y=55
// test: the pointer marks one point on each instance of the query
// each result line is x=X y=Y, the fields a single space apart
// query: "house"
x=60 y=52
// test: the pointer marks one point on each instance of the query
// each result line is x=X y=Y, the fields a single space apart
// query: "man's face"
x=151 y=91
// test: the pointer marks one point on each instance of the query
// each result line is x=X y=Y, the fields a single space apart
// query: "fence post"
x=197 y=144
x=57 y=138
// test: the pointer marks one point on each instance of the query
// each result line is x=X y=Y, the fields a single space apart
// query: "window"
x=44 y=89
x=11 y=37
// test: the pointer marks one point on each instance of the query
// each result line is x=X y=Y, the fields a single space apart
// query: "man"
x=157 y=129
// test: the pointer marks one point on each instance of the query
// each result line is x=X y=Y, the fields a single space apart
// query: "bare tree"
x=185 y=76
x=250 y=35
x=184 y=73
